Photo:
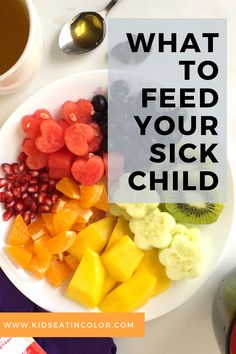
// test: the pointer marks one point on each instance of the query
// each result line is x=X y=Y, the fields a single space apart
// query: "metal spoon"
x=85 y=31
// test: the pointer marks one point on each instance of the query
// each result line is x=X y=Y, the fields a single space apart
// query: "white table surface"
x=188 y=329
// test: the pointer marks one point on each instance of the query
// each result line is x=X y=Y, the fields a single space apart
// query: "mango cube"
x=86 y=284
x=121 y=229
x=151 y=263
x=131 y=294
x=122 y=259
x=108 y=285
x=94 y=236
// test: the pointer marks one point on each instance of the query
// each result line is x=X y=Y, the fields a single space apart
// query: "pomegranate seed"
x=24 y=195
x=24 y=188
x=22 y=157
x=52 y=183
x=33 y=216
x=27 y=202
x=16 y=191
x=9 y=187
x=22 y=167
x=7 y=215
x=33 y=207
x=3 y=182
x=26 y=178
x=9 y=195
x=19 y=205
x=43 y=187
x=48 y=202
x=44 y=208
x=34 y=173
x=33 y=189
x=14 y=167
x=55 y=197
x=9 y=205
x=33 y=181
x=35 y=196
x=11 y=177
x=42 y=196
x=6 y=168
x=2 y=197
x=27 y=216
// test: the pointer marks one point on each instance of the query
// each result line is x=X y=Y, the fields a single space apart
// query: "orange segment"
x=68 y=187
x=36 y=267
x=37 y=229
x=21 y=255
x=97 y=215
x=103 y=200
x=61 y=242
x=59 y=205
x=78 y=226
x=90 y=195
x=83 y=215
x=48 y=222
x=63 y=220
x=19 y=234
x=42 y=252
x=57 y=273
x=71 y=261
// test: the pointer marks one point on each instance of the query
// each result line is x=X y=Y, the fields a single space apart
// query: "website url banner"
x=71 y=324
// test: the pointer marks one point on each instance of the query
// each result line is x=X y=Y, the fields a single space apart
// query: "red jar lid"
x=232 y=342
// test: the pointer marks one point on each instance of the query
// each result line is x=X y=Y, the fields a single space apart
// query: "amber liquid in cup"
x=14 y=32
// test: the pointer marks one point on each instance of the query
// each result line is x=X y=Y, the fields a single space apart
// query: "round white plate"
x=40 y=292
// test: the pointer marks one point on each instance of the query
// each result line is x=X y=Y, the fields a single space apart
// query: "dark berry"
x=98 y=117
x=99 y=103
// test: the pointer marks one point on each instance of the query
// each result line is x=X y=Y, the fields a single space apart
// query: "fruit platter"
x=63 y=244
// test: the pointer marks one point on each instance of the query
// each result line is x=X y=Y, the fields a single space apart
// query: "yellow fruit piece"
x=68 y=187
x=151 y=263
x=57 y=273
x=120 y=230
x=37 y=229
x=90 y=195
x=48 y=222
x=42 y=252
x=102 y=203
x=63 y=220
x=122 y=259
x=71 y=261
x=21 y=255
x=18 y=234
x=108 y=285
x=36 y=267
x=86 y=284
x=131 y=294
x=94 y=236
x=61 y=242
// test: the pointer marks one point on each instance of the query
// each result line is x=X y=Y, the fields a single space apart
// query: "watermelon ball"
x=99 y=103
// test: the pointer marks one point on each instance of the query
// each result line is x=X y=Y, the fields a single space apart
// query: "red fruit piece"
x=42 y=114
x=86 y=110
x=88 y=172
x=105 y=160
x=31 y=126
x=95 y=144
x=59 y=164
x=77 y=138
x=70 y=111
x=51 y=138
x=35 y=159
x=63 y=124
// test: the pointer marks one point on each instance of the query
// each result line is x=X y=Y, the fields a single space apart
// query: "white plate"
x=40 y=292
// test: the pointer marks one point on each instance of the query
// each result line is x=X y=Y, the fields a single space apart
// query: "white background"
x=188 y=329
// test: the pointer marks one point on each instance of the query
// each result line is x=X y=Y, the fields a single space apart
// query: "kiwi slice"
x=195 y=213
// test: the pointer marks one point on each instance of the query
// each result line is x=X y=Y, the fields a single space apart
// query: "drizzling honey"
x=88 y=30
x=14 y=32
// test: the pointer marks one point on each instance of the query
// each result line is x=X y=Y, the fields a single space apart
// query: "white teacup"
x=30 y=59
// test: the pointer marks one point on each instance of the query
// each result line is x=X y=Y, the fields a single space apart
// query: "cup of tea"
x=21 y=43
